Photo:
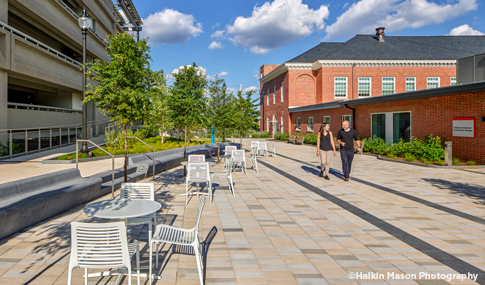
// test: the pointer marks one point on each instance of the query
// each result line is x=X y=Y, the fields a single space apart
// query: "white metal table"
x=121 y=209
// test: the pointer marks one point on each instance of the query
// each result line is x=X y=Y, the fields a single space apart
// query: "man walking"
x=345 y=138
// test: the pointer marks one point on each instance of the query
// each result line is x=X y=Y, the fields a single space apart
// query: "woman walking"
x=325 y=146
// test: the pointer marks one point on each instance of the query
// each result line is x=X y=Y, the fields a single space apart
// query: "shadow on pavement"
x=474 y=191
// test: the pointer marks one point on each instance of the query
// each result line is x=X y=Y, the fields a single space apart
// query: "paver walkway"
x=288 y=226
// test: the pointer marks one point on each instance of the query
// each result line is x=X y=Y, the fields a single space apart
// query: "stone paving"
x=286 y=225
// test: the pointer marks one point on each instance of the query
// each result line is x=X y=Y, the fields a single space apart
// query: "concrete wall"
x=22 y=118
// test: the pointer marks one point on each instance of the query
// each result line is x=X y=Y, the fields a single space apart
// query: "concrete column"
x=4 y=11
x=448 y=154
x=3 y=105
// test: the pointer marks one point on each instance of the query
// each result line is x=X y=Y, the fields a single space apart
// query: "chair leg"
x=85 y=276
x=186 y=192
x=231 y=186
x=199 y=262
x=129 y=275
x=138 y=264
x=151 y=262
x=210 y=191
x=150 y=226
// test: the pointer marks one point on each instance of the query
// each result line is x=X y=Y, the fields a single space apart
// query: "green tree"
x=246 y=117
x=124 y=85
x=159 y=117
x=187 y=104
x=222 y=105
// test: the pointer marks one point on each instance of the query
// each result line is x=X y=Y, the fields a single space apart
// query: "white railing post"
x=26 y=148
x=10 y=144
x=38 y=142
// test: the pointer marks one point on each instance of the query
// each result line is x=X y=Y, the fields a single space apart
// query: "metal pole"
x=50 y=138
x=10 y=144
x=113 y=177
x=68 y=135
x=60 y=137
x=26 y=142
x=40 y=133
x=84 y=147
x=77 y=150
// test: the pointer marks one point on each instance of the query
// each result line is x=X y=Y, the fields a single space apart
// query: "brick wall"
x=432 y=115
x=278 y=108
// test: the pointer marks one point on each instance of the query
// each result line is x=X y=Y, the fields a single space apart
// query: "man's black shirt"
x=348 y=138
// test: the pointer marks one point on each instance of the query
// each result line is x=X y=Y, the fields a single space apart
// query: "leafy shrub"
x=310 y=138
x=456 y=160
x=471 y=162
x=441 y=162
x=4 y=149
x=425 y=160
x=260 y=135
x=399 y=149
x=376 y=145
x=143 y=133
x=281 y=136
x=391 y=155
x=409 y=157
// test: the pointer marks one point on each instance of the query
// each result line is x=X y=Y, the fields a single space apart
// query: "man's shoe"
x=321 y=173
x=326 y=177
x=346 y=179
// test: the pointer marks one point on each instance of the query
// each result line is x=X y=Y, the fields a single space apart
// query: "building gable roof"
x=366 y=47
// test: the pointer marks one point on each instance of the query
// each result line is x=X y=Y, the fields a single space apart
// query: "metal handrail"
x=112 y=162
x=153 y=158
x=38 y=43
x=56 y=127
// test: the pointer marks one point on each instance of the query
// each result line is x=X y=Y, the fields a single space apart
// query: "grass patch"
x=471 y=162
x=136 y=146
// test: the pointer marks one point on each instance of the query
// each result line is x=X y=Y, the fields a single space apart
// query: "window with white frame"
x=326 y=119
x=267 y=97
x=298 y=123
x=274 y=94
x=282 y=91
x=310 y=124
x=365 y=86
x=410 y=84
x=282 y=123
x=433 y=82
x=340 y=87
x=452 y=81
x=388 y=85
x=347 y=118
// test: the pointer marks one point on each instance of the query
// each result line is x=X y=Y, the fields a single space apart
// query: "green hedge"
x=425 y=149
x=281 y=136
x=260 y=135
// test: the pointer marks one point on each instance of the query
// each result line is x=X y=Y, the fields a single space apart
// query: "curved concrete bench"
x=26 y=202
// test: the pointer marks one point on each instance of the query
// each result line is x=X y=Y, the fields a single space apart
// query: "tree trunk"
x=185 y=149
x=162 y=131
x=126 y=153
x=241 y=139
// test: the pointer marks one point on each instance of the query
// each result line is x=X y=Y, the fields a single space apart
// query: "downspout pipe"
x=353 y=115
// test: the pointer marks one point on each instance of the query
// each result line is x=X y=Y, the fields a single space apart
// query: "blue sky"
x=234 y=38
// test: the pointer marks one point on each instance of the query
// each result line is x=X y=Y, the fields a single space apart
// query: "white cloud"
x=201 y=70
x=276 y=24
x=345 y=5
x=254 y=88
x=222 y=73
x=215 y=45
x=464 y=30
x=170 y=27
x=395 y=15
x=219 y=35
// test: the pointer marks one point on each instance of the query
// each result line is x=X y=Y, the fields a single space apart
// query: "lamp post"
x=224 y=104
x=84 y=24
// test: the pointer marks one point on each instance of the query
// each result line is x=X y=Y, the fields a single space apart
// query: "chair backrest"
x=99 y=245
x=239 y=155
x=229 y=166
x=140 y=191
x=254 y=152
x=254 y=144
x=198 y=170
x=263 y=146
x=199 y=212
x=196 y=158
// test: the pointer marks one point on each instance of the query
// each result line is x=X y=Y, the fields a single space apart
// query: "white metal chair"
x=183 y=237
x=263 y=149
x=240 y=158
x=101 y=245
x=198 y=172
x=228 y=174
x=196 y=158
x=273 y=150
x=254 y=144
x=140 y=191
x=254 y=158
x=228 y=151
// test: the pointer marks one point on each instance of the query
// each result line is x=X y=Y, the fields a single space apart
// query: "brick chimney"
x=380 y=34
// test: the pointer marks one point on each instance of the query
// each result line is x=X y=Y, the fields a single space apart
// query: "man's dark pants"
x=346 y=157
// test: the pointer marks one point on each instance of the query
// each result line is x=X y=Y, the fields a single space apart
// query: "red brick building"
x=366 y=66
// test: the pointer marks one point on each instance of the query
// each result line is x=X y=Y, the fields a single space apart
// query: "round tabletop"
x=186 y=163
x=121 y=208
